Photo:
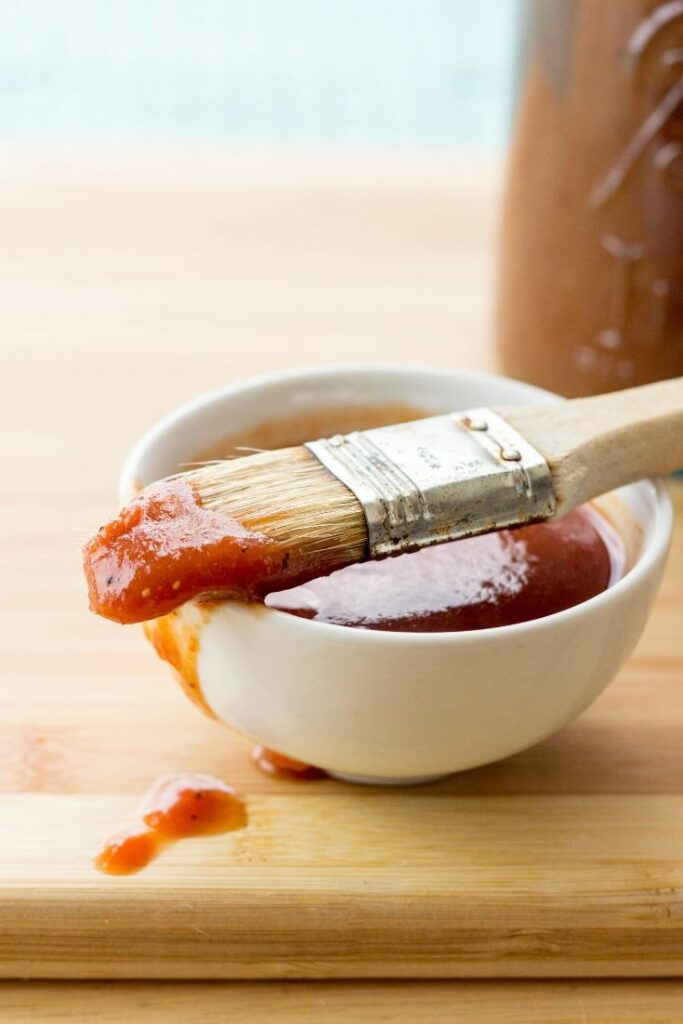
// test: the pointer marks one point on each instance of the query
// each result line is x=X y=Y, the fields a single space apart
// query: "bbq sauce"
x=126 y=852
x=271 y=762
x=175 y=638
x=164 y=548
x=497 y=579
x=176 y=807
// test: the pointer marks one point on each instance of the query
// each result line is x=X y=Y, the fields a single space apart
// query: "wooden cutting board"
x=566 y=860
x=343 y=1002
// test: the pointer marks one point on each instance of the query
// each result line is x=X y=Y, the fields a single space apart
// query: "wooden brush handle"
x=595 y=444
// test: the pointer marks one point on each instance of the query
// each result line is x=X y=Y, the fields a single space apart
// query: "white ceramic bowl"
x=386 y=706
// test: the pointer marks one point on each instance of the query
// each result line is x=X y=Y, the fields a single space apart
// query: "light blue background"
x=350 y=73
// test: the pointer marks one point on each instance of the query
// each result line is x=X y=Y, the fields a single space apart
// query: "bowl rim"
x=129 y=471
x=652 y=554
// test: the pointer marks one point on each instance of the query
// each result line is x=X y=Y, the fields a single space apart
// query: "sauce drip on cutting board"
x=176 y=807
x=496 y=579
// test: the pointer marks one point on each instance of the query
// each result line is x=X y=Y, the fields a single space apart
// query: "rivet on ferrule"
x=440 y=478
x=474 y=424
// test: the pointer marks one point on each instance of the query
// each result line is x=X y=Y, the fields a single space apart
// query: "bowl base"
x=379 y=780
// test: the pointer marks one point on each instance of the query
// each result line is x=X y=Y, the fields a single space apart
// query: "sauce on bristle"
x=165 y=548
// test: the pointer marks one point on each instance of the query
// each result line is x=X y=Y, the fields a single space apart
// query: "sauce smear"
x=176 y=807
x=165 y=548
x=273 y=763
x=496 y=579
x=128 y=851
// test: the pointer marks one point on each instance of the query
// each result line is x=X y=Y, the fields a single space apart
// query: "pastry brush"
x=246 y=526
x=394 y=489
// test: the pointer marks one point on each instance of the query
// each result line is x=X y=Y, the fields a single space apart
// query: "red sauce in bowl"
x=496 y=579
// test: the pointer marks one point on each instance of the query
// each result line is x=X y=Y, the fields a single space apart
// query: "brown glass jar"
x=591 y=277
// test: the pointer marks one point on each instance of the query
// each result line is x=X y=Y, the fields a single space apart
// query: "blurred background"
x=234 y=72
x=196 y=190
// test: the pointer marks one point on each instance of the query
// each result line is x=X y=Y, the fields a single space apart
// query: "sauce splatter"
x=165 y=548
x=273 y=763
x=128 y=851
x=496 y=579
x=176 y=807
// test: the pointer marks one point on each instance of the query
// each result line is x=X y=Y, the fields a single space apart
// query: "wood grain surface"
x=128 y=286
x=435 y=1002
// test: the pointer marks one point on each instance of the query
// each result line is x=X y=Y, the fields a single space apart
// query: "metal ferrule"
x=440 y=478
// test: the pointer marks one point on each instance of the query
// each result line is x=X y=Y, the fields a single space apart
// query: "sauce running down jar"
x=591 y=276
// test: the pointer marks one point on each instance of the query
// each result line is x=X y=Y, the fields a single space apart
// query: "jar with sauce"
x=591 y=277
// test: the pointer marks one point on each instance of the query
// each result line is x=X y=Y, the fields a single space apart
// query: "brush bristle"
x=292 y=498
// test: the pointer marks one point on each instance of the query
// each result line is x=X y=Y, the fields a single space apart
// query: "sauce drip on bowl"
x=496 y=579
x=176 y=807
x=271 y=762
